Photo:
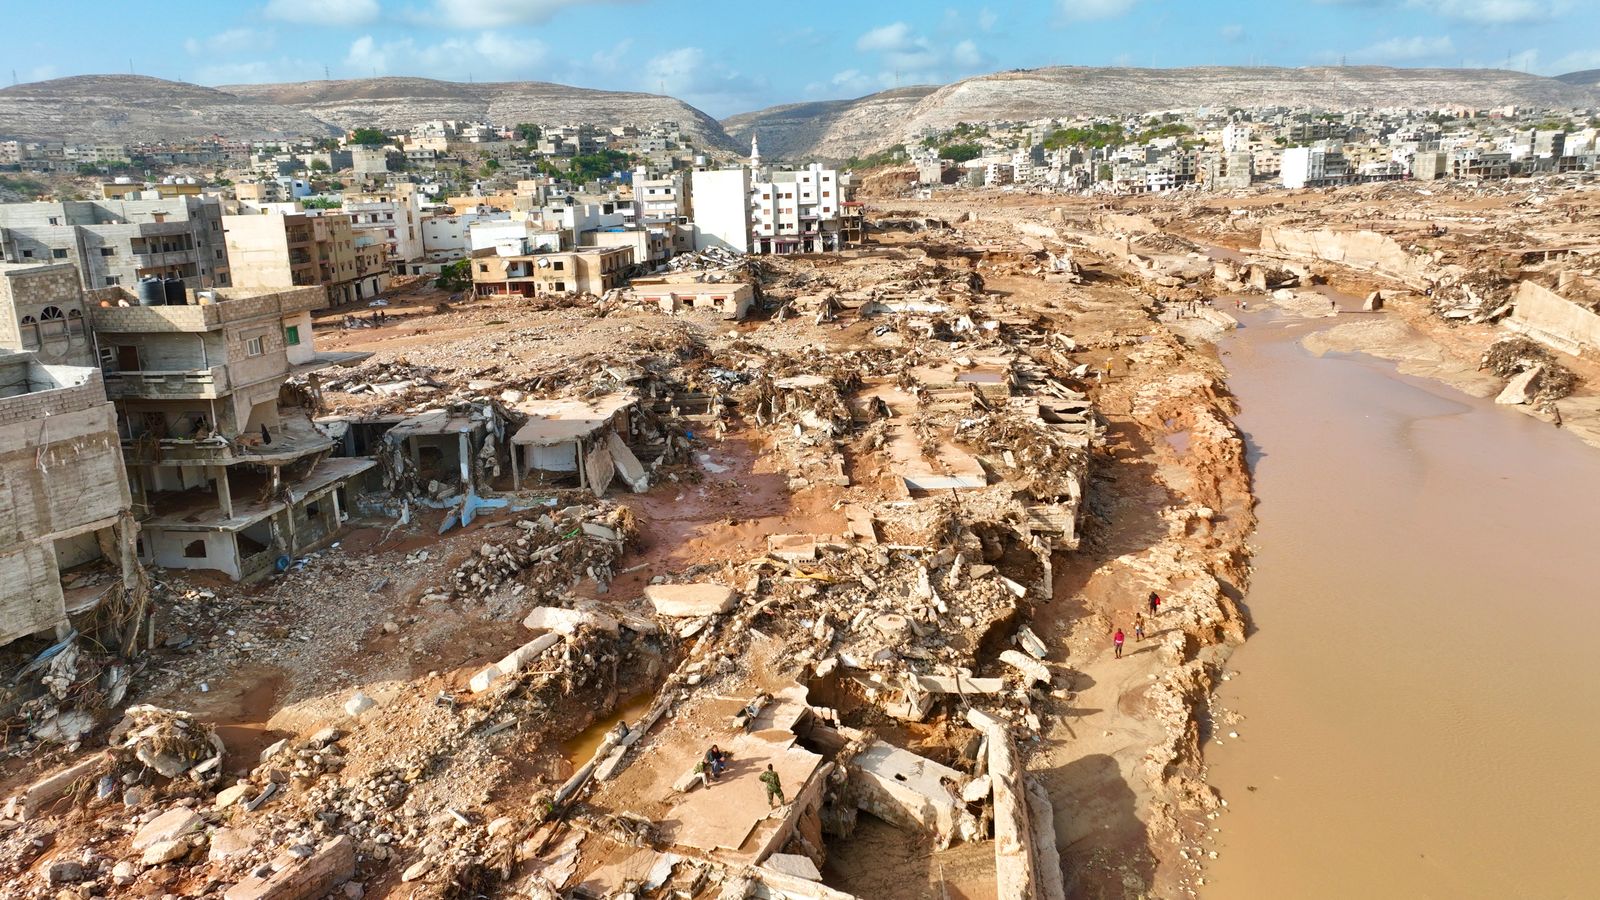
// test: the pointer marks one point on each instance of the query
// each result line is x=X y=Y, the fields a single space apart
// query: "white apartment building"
x=1312 y=167
x=661 y=206
x=795 y=211
x=392 y=218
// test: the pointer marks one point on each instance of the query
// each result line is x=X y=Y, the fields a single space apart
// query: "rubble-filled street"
x=876 y=536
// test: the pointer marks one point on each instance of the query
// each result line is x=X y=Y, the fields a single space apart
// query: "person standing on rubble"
x=1117 y=640
x=774 y=787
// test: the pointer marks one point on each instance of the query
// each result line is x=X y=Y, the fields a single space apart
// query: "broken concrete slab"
x=58 y=784
x=793 y=864
x=172 y=824
x=1033 y=671
x=792 y=547
x=1521 y=388
x=291 y=878
x=689 y=601
x=568 y=621
x=910 y=791
x=513 y=662
x=230 y=842
x=960 y=684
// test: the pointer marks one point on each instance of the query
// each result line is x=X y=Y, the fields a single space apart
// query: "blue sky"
x=728 y=57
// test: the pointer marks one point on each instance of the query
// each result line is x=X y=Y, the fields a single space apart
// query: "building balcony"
x=187 y=384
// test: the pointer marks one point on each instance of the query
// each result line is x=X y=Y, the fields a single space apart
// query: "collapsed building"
x=225 y=470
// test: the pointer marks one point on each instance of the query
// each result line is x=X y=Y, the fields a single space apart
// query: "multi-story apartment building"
x=223 y=474
x=392 y=218
x=1313 y=167
x=662 y=205
x=796 y=211
x=118 y=242
x=586 y=271
x=281 y=247
x=721 y=209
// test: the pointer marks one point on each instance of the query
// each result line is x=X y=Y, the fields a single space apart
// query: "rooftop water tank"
x=174 y=291
x=150 y=292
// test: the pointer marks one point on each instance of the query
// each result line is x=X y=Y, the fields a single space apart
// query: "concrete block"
x=51 y=787
x=567 y=621
x=170 y=825
x=689 y=600
x=303 y=879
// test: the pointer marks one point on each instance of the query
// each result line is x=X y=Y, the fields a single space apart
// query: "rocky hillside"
x=398 y=102
x=134 y=108
x=874 y=122
x=1586 y=78
x=832 y=129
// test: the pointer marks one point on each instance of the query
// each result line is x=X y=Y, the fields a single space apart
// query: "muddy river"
x=1421 y=715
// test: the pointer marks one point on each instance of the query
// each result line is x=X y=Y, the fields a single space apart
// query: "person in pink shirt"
x=1117 y=640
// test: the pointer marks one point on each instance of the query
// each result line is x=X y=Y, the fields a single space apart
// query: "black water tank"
x=174 y=292
x=151 y=292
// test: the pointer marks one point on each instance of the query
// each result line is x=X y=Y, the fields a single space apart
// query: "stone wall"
x=1552 y=319
x=1365 y=250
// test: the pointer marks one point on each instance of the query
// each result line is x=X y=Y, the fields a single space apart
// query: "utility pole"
x=325 y=75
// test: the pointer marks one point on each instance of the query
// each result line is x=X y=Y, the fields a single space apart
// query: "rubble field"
x=876 y=536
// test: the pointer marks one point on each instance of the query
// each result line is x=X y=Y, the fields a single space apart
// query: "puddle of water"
x=1179 y=441
x=1419 y=699
x=578 y=750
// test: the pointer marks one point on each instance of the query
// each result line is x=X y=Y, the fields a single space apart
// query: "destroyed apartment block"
x=583 y=439
x=226 y=469
x=719 y=291
x=68 y=536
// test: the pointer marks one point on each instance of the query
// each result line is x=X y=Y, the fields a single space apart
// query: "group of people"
x=1120 y=638
x=715 y=762
x=1189 y=309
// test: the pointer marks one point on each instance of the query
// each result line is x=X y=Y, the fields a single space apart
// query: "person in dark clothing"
x=1155 y=603
x=1117 y=640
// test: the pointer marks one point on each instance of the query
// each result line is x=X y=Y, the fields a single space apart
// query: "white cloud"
x=1490 y=12
x=490 y=53
x=1093 y=10
x=1410 y=49
x=232 y=41
x=258 y=71
x=690 y=75
x=1476 y=12
x=499 y=13
x=891 y=37
x=1576 y=61
x=987 y=19
x=322 y=12
x=1231 y=33
x=967 y=55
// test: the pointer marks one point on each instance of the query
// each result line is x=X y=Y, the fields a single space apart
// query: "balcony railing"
x=187 y=384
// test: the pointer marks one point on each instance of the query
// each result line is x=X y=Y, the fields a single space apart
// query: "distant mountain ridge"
x=842 y=129
x=129 y=108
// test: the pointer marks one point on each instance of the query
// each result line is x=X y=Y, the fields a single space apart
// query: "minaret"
x=755 y=152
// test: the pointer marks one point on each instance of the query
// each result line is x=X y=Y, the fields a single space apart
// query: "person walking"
x=1155 y=603
x=1117 y=640
x=1138 y=627
x=774 y=787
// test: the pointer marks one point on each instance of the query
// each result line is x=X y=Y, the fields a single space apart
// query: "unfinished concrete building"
x=273 y=249
x=118 y=242
x=226 y=470
x=42 y=312
x=63 y=495
x=585 y=271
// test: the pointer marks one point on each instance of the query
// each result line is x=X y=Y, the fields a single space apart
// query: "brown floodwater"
x=1421 y=718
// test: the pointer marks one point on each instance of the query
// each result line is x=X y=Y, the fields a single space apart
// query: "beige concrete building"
x=42 y=312
x=273 y=249
x=63 y=496
x=678 y=292
x=588 y=270
x=392 y=218
x=224 y=473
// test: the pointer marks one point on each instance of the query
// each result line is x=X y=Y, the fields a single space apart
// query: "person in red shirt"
x=1117 y=640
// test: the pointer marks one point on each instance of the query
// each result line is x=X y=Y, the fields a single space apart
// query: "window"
x=291 y=335
x=561 y=285
x=113 y=280
x=55 y=220
x=254 y=347
x=75 y=319
x=559 y=265
x=195 y=549
x=59 y=252
x=108 y=251
x=30 y=333
x=27 y=254
x=483 y=267
x=219 y=254
x=827 y=193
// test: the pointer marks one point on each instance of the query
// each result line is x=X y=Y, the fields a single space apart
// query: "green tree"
x=368 y=137
x=319 y=165
x=1105 y=173
x=321 y=203
x=960 y=152
x=489 y=168
x=528 y=133
x=455 y=277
